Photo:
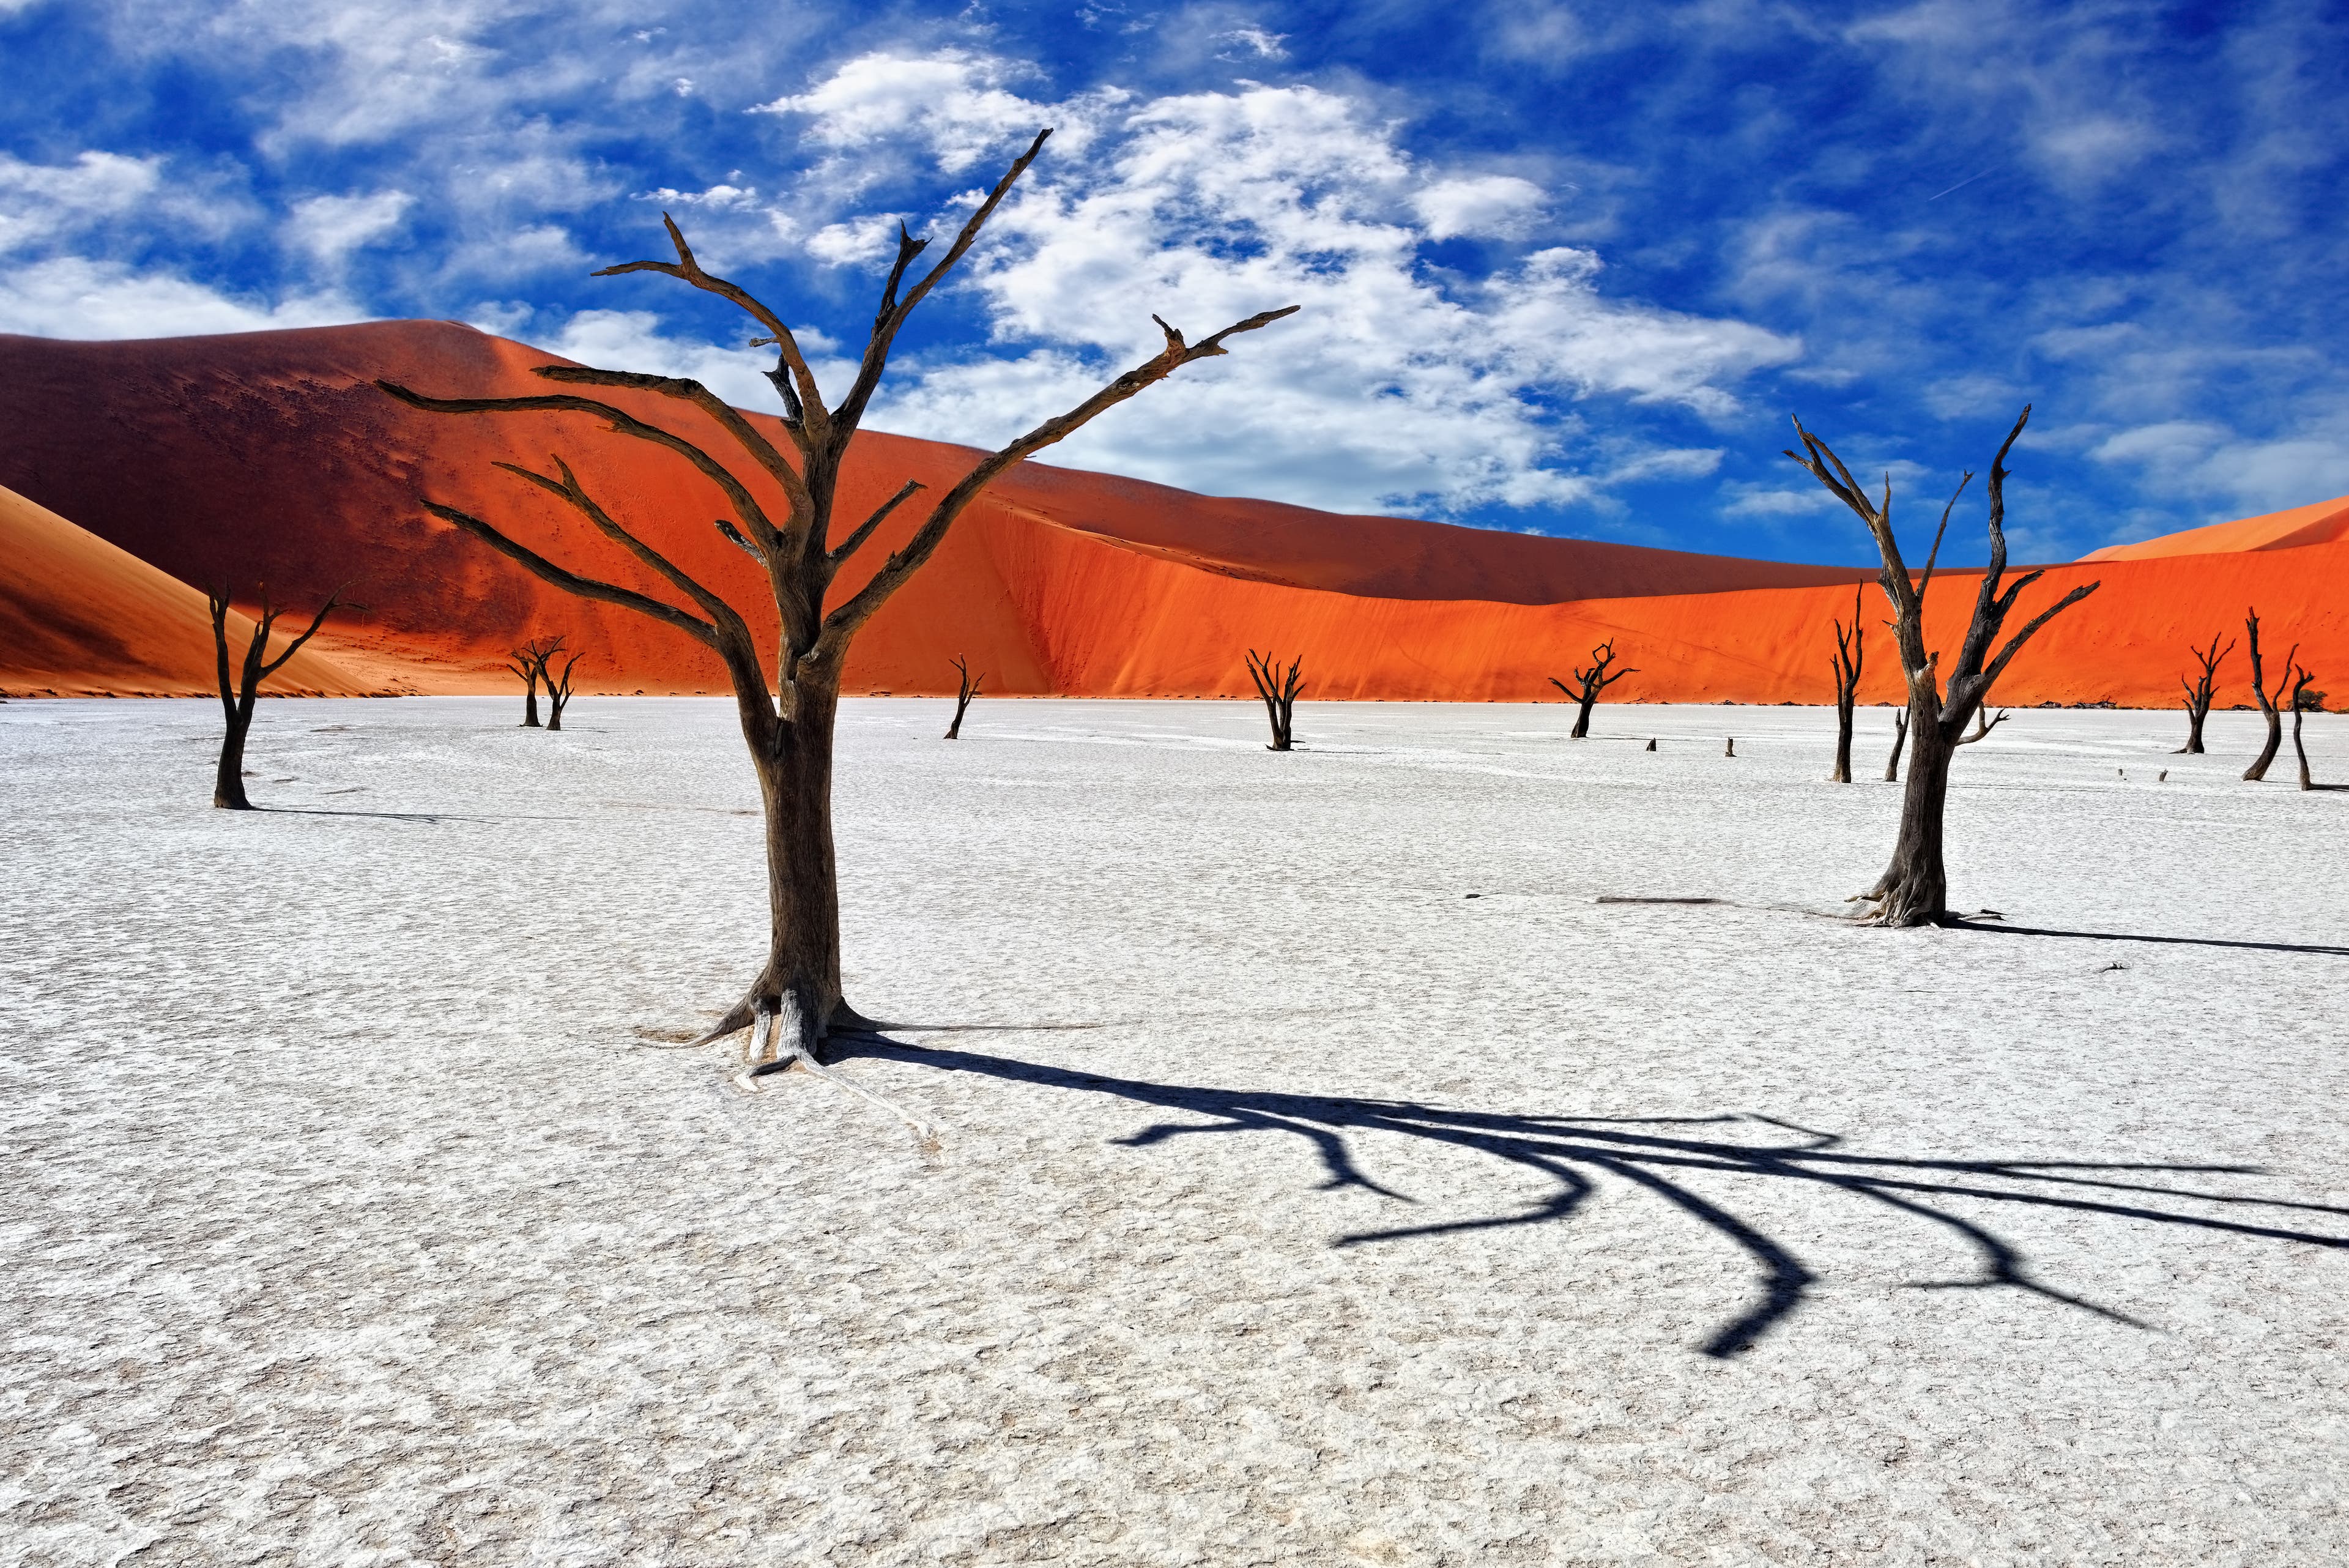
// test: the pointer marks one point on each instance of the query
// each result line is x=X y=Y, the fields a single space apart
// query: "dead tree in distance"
x=962 y=697
x=528 y=662
x=2301 y=703
x=237 y=693
x=1899 y=739
x=794 y=998
x=1850 y=655
x=1983 y=725
x=1914 y=888
x=1588 y=683
x=558 y=690
x=2199 y=690
x=1278 y=692
x=2267 y=700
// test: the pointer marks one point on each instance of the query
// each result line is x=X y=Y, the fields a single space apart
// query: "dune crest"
x=275 y=452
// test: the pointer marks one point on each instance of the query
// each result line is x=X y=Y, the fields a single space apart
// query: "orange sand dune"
x=78 y=616
x=2320 y=522
x=271 y=454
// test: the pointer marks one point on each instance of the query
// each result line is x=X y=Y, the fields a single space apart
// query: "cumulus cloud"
x=1397 y=386
x=72 y=296
x=38 y=202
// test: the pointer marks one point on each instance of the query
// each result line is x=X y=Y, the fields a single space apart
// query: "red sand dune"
x=271 y=456
x=80 y=617
x=2320 y=522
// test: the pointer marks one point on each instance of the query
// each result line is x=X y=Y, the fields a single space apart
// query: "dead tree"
x=1848 y=655
x=2303 y=699
x=787 y=717
x=1914 y=888
x=558 y=690
x=1983 y=725
x=237 y=693
x=528 y=662
x=2267 y=700
x=962 y=698
x=1588 y=683
x=2199 y=692
x=1278 y=692
x=1899 y=739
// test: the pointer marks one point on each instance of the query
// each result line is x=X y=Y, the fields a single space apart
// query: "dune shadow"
x=1660 y=1155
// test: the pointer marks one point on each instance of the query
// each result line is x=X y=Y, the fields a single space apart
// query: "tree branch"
x=569 y=491
x=333 y=602
x=571 y=582
x=842 y=623
x=814 y=425
x=727 y=418
x=850 y=546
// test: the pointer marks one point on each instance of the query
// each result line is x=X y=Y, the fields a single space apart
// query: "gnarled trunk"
x=1915 y=888
x=1842 y=774
x=1899 y=741
x=802 y=967
x=2195 y=715
x=1582 y=719
x=228 y=784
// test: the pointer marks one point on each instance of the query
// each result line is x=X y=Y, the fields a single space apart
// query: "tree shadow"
x=2317 y=948
x=1659 y=1155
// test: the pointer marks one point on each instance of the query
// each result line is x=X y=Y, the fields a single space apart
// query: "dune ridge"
x=271 y=454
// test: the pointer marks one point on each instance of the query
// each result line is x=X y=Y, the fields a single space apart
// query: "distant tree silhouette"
x=529 y=663
x=2303 y=701
x=2267 y=700
x=1914 y=888
x=787 y=718
x=1588 y=683
x=962 y=697
x=1850 y=655
x=1899 y=739
x=2200 y=692
x=558 y=690
x=1983 y=725
x=1280 y=693
x=238 y=691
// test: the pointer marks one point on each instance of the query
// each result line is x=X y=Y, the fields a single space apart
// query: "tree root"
x=785 y=1039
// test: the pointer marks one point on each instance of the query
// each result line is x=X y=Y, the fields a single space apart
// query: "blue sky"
x=1564 y=268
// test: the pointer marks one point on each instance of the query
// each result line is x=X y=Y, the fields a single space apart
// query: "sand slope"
x=2319 y=523
x=273 y=449
x=80 y=617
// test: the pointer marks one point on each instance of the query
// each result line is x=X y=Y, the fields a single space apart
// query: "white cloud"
x=2245 y=474
x=1492 y=205
x=71 y=297
x=1747 y=500
x=1395 y=387
x=39 y=201
x=633 y=340
x=1256 y=42
x=330 y=227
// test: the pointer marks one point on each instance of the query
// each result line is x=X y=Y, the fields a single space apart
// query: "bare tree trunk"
x=2199 y=692
x=1582 y=717
x=1588 y=685
x=1914 y=888
x=968 y=689
x=787 y=718
x=237 y=693
x=558 y=690
x=2259 y=768
x=228 y=782
x=2300 y=679
x=1899 y=739
x=1850 y=656
x=1280 y=693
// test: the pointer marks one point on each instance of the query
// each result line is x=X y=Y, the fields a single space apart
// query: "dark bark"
x=1588 y=683
x=787 y=718
x=239 y=691
x=1849 y=657
x=2199 y=692
x=1983 y=725
x=969 y=689
x=528 y=662
x=2267 y=701
x=558 y=688
x=1899 y=741
x=2300 y=679
x=1914 y=888
x=1279 y=690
